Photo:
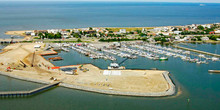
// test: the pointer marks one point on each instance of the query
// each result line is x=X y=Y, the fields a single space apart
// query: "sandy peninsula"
x=130 y=82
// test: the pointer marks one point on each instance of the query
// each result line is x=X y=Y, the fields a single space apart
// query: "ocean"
x=194 y=81
x=48 y=15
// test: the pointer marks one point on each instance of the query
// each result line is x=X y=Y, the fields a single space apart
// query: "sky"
x=193 y=1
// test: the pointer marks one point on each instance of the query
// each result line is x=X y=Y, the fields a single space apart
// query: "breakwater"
x=27 y=93
x=198 y=51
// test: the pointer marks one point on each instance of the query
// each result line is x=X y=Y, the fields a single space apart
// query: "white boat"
x=163 y=58
x=215 y=59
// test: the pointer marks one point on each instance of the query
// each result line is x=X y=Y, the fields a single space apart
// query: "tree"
x=90 y=28
x=200 y=27
x=41 y=35
x=68 y=30
x=58 y=36
x=79 y=40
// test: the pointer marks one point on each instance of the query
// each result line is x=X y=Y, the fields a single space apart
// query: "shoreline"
x=170 y=92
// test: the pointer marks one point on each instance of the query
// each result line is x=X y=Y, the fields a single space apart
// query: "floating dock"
x=56 y=58
x=198 y=51
x=27 y=93
x=214 y=71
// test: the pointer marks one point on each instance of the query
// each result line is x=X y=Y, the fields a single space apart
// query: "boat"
x=65 y=49
x=163 y=58
x=215 y=59
x=115 y=66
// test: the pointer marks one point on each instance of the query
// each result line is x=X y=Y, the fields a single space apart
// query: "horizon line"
x=104 y=1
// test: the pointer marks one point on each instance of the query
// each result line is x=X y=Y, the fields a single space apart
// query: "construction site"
x=25 y=61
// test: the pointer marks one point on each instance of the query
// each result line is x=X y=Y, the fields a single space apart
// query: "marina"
x=140 y=49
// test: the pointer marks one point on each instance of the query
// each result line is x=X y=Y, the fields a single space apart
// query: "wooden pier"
x=27 y=93
x=198 y=51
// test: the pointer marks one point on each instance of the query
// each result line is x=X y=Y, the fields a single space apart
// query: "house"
x=143 y=30
x=151 y=40
x=28 y=32
x=37 y=46
x=217 y=31
x=165 y=33
x=54 y=31
x=177 y=37
x=33 y=34
x=212 y=32
x=177 y=32
x=204 y=38
x=122 y=31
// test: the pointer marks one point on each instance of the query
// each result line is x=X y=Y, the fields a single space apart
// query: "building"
x=212 y=32
x=217 y=31
x=122 y=31
x=204 y=38
x=177 y=32
x=54 y=31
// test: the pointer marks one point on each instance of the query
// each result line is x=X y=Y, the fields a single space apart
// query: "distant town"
x=166 y=34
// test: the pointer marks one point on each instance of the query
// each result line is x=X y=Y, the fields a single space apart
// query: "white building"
x=177 y=32
x=54 y=31
x=204 y=38
x=122 y=31
x=217 y=31
x=33 y=34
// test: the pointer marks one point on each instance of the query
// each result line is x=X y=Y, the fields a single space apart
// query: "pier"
x=8 y=41
x=27 y=93
x=198 y=51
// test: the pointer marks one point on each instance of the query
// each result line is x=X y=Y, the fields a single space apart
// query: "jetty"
x=198 y=51
x=28 y=93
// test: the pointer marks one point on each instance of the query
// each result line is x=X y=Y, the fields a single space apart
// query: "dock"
x=198 y=51
x=8 y=41
x=28 y=93
x=214 y=71
x=56 y=58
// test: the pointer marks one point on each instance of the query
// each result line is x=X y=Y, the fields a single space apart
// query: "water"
x=45 y=15
x=194 y=81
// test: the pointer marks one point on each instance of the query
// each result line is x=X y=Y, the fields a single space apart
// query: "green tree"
x=41 y=35
x=200 y=27
x=79 y=40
